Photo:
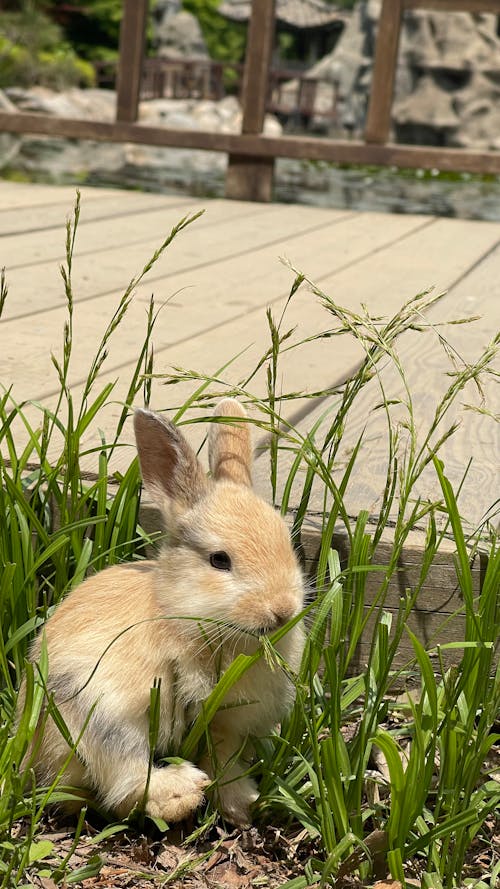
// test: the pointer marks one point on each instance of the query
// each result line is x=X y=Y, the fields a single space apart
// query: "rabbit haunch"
x=227 y=574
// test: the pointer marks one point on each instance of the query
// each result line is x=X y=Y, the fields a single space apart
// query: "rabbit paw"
x=176 y=791
x=235 y=801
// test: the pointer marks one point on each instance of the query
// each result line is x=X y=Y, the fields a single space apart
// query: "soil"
x=267 y=858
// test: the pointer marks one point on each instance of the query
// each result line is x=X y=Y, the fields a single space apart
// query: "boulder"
x=9 y=142
x=452 y=96
x=458 y=41
x=447 y=82
x=177 y=33
x=426 y=115
x=89 y=104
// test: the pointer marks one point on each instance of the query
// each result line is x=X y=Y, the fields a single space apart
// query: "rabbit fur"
x=182 y=619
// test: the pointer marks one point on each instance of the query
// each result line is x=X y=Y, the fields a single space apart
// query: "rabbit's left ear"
x=170 y=469
x=229 y=445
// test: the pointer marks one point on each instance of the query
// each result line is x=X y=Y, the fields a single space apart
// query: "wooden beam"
x=132 y=40
x=258 y=146
x=244 y=180
x=378 y=121
x=257 y=65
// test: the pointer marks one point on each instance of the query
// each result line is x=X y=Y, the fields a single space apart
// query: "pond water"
x=389 y=190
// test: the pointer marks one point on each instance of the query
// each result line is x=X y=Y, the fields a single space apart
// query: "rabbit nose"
x=281 y=616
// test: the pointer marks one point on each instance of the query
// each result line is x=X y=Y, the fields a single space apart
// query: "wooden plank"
x=334 y=151
x=378 y=121
x=192 y=328
x=15 y=195
x=22 y=221
x=132 y=40
x=384 y=281
x=202 y=246
x=217 y=313
x=251 y=178
x=145 y=226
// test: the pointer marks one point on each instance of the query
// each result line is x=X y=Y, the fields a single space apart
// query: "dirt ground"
x=267 y=858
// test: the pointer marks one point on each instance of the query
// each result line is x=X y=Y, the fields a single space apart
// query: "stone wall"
x=448 y=77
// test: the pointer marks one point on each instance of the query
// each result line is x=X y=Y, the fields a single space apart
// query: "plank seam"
x=302 y=413
x=206 y=264
x=216 y=326
x=25 y=265
x=59 y=225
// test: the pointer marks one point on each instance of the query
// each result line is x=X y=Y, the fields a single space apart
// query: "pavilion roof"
x=294 y=13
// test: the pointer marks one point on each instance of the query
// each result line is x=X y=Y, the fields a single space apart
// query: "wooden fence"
x=251 y=154
x=291 y=94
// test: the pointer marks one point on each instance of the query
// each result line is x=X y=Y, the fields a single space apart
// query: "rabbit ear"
x=169 y=466
x=229 y=445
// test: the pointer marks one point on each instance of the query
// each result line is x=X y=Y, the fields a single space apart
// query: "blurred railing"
x=290 y=94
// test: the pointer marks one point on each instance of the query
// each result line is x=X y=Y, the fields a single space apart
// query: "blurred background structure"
x=407 y=83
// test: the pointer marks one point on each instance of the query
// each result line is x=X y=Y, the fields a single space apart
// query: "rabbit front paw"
x=176 y=791
x=235 y=800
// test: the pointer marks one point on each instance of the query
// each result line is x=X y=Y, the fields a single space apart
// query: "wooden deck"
x=218 y=277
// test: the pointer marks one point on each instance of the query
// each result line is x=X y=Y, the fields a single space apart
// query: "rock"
x=9 y=142
x=426 y=115
x=348 y=67
x=223 y=116
x=5 y=102
x=450 y=41
x=228 y=107
x=90 y=104
x=206 y=116
x=272 y=127
x=478 y=107
x=447 y=86
x=451 y=96
x=177 y=33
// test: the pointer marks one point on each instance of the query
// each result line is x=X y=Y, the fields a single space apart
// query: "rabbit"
x=226 y=574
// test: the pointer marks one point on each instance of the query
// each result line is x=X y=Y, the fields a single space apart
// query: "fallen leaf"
x=45 y=883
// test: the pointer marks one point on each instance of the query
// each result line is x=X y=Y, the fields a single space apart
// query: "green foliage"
x=438 y=795
x=93 y=28
x=225 y=40
x=32 y=51
x=315 y=772
x=31 y=29
x=56 y=527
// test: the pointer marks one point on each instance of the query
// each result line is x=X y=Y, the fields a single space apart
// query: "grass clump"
x=384 y=767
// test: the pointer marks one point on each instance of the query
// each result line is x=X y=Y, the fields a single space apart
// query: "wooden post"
x=132 y=39
x=249 y=178
x=378 y=121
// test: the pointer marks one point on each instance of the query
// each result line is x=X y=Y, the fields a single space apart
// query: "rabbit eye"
x=221 y=561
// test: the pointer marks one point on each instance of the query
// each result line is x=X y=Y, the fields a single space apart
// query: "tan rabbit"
x=227 y=574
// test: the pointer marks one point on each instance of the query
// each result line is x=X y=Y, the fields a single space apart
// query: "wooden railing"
x=251 y=154
x=290 y=93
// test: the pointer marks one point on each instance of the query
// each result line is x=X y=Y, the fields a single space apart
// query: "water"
x=388 y=190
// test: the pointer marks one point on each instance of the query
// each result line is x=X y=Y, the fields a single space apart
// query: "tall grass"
x=418 y=817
